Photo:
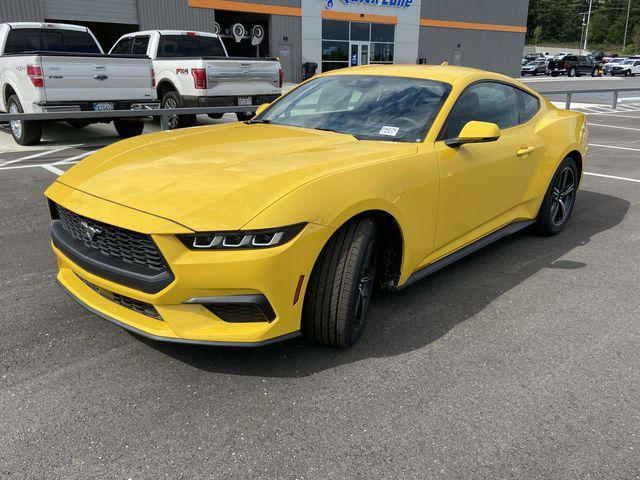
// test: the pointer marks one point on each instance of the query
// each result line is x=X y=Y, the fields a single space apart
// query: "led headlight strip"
x=245 y=239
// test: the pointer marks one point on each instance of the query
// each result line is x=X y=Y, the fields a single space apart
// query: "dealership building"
x=333 y=34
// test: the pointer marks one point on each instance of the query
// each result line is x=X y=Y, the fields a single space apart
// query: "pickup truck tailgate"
x=242 y=77
x=79 y=78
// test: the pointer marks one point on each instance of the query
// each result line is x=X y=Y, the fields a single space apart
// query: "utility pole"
x=626 y=27
x=584 y=17
x=586 y=33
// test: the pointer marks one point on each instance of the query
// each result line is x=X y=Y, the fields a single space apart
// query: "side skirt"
x=464 y=251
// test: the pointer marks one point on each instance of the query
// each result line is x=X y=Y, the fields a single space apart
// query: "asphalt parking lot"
x=520 y=361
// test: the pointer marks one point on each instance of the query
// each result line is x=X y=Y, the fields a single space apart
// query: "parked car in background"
x=612 y=63
x=628 y=67
x=50 y=67
x=535 y=67
x=574 y=66
x=193 y=69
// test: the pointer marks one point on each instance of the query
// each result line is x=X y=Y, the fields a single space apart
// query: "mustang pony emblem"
x=90 y=231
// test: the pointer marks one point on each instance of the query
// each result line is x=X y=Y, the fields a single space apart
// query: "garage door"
x=111 y=11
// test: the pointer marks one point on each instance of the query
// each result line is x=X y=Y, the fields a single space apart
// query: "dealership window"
x=347 y=44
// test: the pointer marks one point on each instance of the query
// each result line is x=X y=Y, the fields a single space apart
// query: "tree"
x=537 y=34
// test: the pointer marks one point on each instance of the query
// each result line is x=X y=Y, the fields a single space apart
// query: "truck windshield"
x=368 y=107
x=190 y=46
x=24 y=40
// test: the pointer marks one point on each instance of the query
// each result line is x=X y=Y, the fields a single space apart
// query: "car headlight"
x=245 y=239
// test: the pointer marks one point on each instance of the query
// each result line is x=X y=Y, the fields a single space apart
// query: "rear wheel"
x=171 y=100
x=572 y=72
x=627 y=73
x=24 y=132
x=559 y=200
x=128 y=128
x=341 y=285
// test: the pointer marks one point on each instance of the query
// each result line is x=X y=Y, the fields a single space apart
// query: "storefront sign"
x=374 y=3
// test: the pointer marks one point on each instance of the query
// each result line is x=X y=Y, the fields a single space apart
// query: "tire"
x=559 y=200
x=627 y=73
x=78 y=123
x=23 y=132
x=128 y=128
x=243 y=116
x=554 y=74
x=572 y=72
x=341 y=285
x=172 y=99
x=215 y=116
x=594 y=72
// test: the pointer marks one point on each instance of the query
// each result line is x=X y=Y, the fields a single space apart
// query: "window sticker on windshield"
x=390 y=131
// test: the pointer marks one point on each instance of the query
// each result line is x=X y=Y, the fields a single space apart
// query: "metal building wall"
x=496 y=51
x=108 y=11
x=20 y=11
x=174 y=14
x=286 y=30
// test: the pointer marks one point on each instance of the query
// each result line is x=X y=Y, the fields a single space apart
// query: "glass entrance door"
x=359 y=54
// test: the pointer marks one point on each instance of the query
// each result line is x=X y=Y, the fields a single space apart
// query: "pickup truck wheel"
x=244 y=116
x=572 y=72
x=128 y=128
x=24 y=132
x=559 y=200
x=341 y=285
x=172 y=100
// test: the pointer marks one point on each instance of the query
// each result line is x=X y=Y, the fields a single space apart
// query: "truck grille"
x=130 y=247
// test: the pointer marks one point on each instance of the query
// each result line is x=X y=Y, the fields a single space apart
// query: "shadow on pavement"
x=413 y=318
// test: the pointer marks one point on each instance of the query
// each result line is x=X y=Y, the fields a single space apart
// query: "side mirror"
x=261 y=108
x=475 y=132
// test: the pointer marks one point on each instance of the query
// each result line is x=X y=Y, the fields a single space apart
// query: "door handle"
x=100 y=77
x=524 y=151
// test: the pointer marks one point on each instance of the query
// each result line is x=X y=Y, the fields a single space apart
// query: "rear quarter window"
x=528 y=105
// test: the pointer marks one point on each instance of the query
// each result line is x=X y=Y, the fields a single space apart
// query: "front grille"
x=126 y=302
x=237 y=313
x=114 y=242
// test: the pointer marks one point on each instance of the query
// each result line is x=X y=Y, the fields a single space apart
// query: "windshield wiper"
x=354 y=135
x=266 y=122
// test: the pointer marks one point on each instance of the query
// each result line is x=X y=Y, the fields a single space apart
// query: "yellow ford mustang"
x=248 y=233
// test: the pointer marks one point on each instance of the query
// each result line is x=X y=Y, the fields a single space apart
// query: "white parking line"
x=53 y=169
x=72 y=159
x=30 y=157
x=614 y=147
x=612 y=126
x=613 y=114
x=614 y=177
x=64 y=161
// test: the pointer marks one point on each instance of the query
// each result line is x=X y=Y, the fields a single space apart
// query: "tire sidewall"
x=545 y=222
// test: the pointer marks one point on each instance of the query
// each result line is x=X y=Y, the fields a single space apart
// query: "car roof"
x=443 y=73
x=171 y=32
x=63 y=26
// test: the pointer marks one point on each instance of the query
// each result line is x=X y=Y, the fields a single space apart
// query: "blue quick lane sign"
x=374 y=3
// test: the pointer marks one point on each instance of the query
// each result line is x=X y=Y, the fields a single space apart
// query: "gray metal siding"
x=496 y=51
x=108 y=11
x=281 y=26
x=174 y=14
x=505 y=12
x=20 y=11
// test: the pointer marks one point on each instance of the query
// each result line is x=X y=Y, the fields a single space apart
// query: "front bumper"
x=278 y=275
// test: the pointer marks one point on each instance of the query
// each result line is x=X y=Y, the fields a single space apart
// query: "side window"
x=140 y=45
x=483 y=102
x=528 y=105
x=123 y=47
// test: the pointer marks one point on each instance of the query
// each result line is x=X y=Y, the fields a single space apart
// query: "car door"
x=483 y=184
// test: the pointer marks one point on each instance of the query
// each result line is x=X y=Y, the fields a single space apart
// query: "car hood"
x=220 y=177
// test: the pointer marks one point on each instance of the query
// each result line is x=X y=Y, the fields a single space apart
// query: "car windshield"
x=627 y=62
x=368 y=107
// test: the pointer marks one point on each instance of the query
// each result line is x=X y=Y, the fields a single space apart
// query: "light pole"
x=584 y=14
x=626 y=27
x=586 y=33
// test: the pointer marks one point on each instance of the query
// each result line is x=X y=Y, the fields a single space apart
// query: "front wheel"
x=559 y=200
x=627 y=73
x=572 y=72
x=341 y=285
x=128 y=128
x=24 y=132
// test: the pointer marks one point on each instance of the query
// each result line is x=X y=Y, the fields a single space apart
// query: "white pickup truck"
x=193 y=69
x=47 y=67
